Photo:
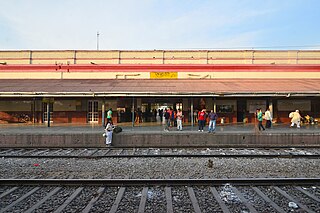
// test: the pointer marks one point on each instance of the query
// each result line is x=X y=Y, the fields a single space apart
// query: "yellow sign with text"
x=166 y=75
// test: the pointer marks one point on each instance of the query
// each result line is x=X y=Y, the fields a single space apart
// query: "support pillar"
x=192 y=112
x=48 y=113
x=132 y=112
x=271 y=107
x=185 y=107
x=103 y=114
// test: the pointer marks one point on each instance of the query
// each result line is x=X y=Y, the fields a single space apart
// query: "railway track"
x=160 y=195
x=163 y=152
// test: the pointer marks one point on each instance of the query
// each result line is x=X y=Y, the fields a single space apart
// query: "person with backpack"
x=260 y=119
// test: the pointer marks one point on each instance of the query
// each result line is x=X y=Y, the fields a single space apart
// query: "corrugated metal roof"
x=159 y=87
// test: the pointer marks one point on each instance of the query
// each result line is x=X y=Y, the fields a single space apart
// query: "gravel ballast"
x=159 y=168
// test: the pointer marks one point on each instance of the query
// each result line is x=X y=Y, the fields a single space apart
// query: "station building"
x=79 y=86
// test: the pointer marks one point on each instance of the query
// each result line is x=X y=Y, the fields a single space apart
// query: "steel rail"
x=160 y=153
x=162 y=182
x=220 y=146
x=312 y=156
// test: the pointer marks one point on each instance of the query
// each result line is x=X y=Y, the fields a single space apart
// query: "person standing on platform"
x=268 y=117
x=260 y=119
x=154 y=111
x=108 y=133
x=138 y=116
x=295 y=118
x=212 y=121
x=201 y=119
x=160 y=112
x=179 y=120
x=167 y=119
x=173 y=115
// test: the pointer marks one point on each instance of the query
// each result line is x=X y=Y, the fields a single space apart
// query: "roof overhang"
x=159 y=87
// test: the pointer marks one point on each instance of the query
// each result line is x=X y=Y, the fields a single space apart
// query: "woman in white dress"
x=108 y=133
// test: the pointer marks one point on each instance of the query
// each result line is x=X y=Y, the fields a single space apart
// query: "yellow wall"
x=52 y=57
x=15 y=57
x=157 y=57
x=161 y=57
x=185 y=57
x=97 y=57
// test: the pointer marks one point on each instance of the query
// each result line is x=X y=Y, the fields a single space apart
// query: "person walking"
x=109 y=116
x=201 y=119
x=260 y=119
x=295 y=118
x=212 y=121
x=179 y=120
x=268 y=117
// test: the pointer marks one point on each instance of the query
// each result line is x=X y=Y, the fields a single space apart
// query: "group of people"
x=267 y=116
x=295 y=118
x=175 y=118
x=202 y=117
x=171 y=117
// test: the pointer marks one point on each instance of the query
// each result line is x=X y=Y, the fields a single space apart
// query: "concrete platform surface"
x=155 y=136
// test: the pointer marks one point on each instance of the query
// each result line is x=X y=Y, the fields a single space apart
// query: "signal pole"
x=98 y=40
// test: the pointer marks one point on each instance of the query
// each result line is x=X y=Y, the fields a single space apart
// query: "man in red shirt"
x=201 y=119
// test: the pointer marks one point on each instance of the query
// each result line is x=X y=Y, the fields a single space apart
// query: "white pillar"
x=133 y=111
x=192 y=112
x=271 y=107
x=103 y=112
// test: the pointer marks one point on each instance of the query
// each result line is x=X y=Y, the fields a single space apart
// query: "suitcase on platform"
x=117 y=129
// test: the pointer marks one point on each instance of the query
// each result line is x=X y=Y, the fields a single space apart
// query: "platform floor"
x=155 y=136
x=148 y=128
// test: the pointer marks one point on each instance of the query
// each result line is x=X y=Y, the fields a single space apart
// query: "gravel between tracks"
x=158 y=168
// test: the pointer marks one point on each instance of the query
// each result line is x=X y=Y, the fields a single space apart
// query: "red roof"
x=159 y=87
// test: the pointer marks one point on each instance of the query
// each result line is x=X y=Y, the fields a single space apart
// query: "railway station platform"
x=230 y=135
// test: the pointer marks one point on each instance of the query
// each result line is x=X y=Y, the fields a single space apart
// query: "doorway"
x=93 y=114
x=45 y=113
x=241 y=110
